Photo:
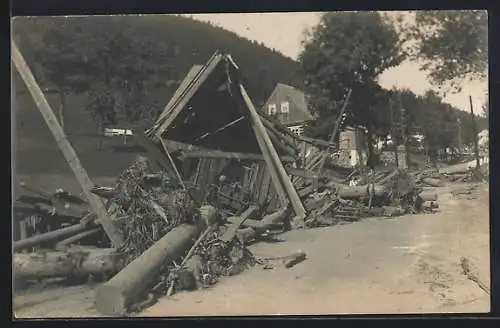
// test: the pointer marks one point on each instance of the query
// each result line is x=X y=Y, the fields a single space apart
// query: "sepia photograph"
x=250 y=164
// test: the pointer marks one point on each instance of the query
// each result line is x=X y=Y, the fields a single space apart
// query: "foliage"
x=129 y=66
x=349 y=51
x=452 y=45
x=442 y=124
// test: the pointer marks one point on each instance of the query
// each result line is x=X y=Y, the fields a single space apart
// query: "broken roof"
x=207 y=110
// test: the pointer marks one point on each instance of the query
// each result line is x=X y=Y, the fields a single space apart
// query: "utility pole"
x=393 y=139
x=474 y=131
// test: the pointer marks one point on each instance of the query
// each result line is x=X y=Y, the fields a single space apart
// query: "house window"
x=271 y=109
x=285 y=110
x=285 y=107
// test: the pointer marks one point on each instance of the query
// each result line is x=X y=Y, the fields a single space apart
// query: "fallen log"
x=115 y=296
x=62 y=245
x=349 y=192
x=269 y=221
x=76 y=262
x=50 y=237
x=428 y=196
x=392 y=211
x=433 y=182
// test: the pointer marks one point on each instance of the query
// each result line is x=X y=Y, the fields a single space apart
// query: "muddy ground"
x=409 y=264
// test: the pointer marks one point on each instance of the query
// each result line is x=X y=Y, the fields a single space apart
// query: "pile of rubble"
x=211 y=183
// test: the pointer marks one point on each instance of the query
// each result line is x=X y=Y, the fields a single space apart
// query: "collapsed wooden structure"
x=211 y=129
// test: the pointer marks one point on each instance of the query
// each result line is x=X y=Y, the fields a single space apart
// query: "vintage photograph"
x=301 y=163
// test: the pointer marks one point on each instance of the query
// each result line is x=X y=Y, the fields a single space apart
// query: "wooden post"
x=261 y=132
x=474 y=131
x=335 y=130
x=69 y=153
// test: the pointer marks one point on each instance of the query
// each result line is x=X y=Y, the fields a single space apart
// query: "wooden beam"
x=69 y=153
x=283 y=178
x=228 y=155
x=335 y=130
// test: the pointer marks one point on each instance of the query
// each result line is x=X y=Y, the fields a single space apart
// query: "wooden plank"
x=264 y=187
x=231 y=231
x=69 y=153
x=256 y=191
x=280 y=178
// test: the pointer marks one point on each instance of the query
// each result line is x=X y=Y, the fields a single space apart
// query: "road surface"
x=409 y=264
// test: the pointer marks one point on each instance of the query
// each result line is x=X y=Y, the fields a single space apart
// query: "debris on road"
x=212 y=183
x=466 y=270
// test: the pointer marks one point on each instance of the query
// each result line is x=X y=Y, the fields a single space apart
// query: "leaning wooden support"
x=334 y=132
x=69 y=153
x=72 y=263
x=115 y=296
x=50 y=237
x=260 y=131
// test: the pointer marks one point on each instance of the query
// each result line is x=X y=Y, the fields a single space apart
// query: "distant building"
x=289 y=106
x=352 y=146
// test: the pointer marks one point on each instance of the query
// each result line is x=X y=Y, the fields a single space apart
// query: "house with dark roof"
x=289 y=106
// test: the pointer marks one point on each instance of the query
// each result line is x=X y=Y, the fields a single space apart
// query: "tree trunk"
x=50 y=237
x=115 y=296
x=76 y=262
x=369 y=143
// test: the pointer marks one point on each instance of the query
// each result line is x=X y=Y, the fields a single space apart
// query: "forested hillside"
x=123 y=70
x=130 y=65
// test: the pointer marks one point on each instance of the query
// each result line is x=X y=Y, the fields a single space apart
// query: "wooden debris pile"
x=464 y=172
x=384 y=193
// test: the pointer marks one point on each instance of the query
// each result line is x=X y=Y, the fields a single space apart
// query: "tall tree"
x=349 y=50
x=452 y=45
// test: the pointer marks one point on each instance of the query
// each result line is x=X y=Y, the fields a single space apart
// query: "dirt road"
x=409 y=264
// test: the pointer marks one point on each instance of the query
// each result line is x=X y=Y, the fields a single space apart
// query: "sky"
x=284 y=33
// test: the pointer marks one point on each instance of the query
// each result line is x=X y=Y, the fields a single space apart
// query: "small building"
x=289 y=106
x=352 y=146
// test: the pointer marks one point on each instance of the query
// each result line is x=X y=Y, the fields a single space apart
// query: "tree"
x=349 y=51
x=131 y=65
x=452 y=45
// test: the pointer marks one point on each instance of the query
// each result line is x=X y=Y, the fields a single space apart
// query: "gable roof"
x=299 y=111
x=208 y=110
